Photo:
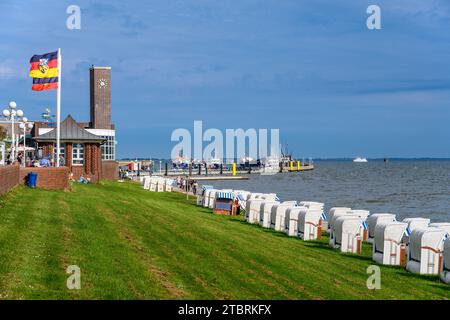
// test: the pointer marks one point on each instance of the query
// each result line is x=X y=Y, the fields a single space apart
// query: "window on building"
x=62 y=150
x=108 y=148
x=77 y=153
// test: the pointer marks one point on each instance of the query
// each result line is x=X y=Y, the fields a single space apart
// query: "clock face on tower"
x=102 y=83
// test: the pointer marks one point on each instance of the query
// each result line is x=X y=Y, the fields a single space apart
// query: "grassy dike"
x=135 y=244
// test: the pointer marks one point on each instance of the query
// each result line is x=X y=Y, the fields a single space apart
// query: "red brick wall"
x=9 y=178
x=57 y=178
x=48 y=178
x=96 y=161
x=88 y=158
x=110 y=170
x=69 y=155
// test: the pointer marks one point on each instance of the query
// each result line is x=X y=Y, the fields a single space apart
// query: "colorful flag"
x=44 y=71
x=407 y=231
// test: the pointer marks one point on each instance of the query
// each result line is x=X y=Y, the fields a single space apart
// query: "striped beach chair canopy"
x=224 y=195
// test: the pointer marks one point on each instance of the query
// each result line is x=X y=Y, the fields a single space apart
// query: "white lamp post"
x=25 y=125
x=10 y=114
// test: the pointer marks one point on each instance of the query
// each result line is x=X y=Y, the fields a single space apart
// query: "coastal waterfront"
x=408 y=188
x=134 y=244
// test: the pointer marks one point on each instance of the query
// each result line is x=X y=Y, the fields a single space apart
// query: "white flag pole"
x=58 y=109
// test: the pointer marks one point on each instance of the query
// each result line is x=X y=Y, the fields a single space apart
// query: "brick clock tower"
x=100 y=109
x=100 y=87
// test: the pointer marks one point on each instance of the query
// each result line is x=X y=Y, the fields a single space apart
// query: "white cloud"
x=7 y=72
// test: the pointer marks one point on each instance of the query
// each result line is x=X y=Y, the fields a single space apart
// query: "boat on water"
x=360 y=160
x=214 y=163
x=271 y=165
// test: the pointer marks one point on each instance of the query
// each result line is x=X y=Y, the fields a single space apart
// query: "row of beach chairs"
x=157 y=184
x=415 y=243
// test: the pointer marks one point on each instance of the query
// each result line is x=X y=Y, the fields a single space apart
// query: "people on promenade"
x=194 y=187
x=44 y=162
x=62 y=161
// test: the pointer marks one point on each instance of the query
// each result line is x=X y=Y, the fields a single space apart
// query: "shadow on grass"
x=410 y=275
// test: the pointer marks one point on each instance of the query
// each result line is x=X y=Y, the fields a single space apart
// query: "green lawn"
x=135 y=244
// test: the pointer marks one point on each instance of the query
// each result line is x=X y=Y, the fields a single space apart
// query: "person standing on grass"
x=194 y=187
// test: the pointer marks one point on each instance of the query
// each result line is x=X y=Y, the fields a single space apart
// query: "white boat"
x=247 y=160
x=359 y=159
x=271 y=165
x=213 y=163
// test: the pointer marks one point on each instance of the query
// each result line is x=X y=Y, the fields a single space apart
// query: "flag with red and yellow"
x=44 y=71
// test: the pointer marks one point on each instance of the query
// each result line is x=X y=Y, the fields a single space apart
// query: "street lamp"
x=10 y=114
x=25 y=125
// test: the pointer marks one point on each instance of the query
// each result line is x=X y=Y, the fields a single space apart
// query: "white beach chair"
x=202 y=195
x=347 y=234
x=337 y=214
x=292 y=214
x=153 y=184
x=212 y=198
x=200 y=198
x=146 y=182
x=387 y=247
x=364 y=215
x=210 y=195
x=252 y=209
x=334 y=210
x=375 y=219
x=413 y=223
x=445 y=268
x=309 y=224
x=283 y=215
x=161 y=185
x=265 y=210
x=425 y=250
x=277 y=216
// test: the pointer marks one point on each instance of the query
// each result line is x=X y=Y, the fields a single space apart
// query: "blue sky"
x=310 y=68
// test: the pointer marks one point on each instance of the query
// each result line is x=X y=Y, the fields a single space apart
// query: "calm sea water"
x=405 y=187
